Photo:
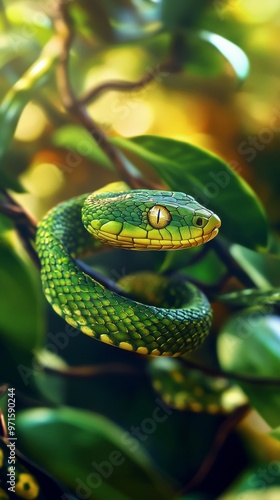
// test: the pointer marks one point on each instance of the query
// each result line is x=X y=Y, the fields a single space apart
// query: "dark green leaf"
x=249 y=345
x=182 y=15
x=263 y=268
x=207 y=269
x=9 y=182
x=87 y=451
x=21 y=310
x=5 y=223
x=203 y=175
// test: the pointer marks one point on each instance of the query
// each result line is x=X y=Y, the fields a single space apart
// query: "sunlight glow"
x=43 y=180
x=137 y=120
x=31 y=124
x=251 y=11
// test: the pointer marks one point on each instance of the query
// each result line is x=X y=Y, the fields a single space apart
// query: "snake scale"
x=134 y=220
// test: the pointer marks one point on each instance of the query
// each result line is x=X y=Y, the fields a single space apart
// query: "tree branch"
x=63 y=27
x=231 y=264
x=125 y=86
x=231 y=375
x=224 y=430
x=25 y=224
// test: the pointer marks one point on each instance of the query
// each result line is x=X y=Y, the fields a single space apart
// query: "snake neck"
x=62 y=227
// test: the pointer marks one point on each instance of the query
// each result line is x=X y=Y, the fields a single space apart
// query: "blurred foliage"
x=102 y=423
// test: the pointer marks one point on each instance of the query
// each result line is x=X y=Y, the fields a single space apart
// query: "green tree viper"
x=134 y=220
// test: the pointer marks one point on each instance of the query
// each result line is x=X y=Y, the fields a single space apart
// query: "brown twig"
x=125 y=86
x=93 y=371
x=232 y=265
x=224 y=430
x=63 y=26
x=3 y=426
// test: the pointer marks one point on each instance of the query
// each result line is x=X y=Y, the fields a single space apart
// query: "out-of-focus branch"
x=125 y=86
x=63 y=27
x=238 y=377
x=232 y=265
x=94 y=371
x=24 y=223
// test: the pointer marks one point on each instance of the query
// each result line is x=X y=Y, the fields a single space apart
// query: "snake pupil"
x=199 y=221
x=159 y=216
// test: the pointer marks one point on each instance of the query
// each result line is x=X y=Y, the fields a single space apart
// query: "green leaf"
x=263 y=269
x=5 y=223
x=89 y=453
x=252 y=297
x=249 y=345
x=31 y=23
x=235 y=56
x=12 y=45
x=275 y=433
x=262 y=483
x=9 y=182
x=76 y=139
x=51 y=387
x=193 y=263
x=187 y=168
x=184 y=15
x=17 y=98
x=21 y=307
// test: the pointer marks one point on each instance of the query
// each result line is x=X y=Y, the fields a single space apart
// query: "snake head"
x=149 y=220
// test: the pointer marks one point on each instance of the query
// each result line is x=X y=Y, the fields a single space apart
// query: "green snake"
x=138 y=219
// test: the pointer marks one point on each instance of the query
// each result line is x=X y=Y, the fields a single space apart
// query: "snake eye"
x=159 y=217
x=199 y=221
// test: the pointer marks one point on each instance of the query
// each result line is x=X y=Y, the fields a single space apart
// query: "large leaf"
x=79 y=141
x=203 y=175
x=89 y=454
x=249 y=344
x=21 y=306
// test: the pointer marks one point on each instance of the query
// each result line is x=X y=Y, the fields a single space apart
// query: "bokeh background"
x=223 y=99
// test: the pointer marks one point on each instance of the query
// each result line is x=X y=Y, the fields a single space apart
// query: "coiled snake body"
x=134 y=220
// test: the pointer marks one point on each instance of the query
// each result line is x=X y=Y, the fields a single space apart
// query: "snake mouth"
x=212 y=228
x=210 y=236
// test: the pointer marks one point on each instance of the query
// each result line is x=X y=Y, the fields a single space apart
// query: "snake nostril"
x=199 y=221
